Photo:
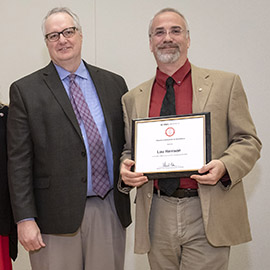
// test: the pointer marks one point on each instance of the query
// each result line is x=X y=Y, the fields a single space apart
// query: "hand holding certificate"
x=171 y=146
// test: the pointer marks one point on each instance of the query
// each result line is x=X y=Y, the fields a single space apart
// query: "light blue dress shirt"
x=86 y=84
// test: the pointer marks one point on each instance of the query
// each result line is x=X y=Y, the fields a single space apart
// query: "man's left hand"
x=212 y=172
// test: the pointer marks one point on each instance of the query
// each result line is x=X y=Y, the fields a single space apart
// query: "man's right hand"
x=29 y=235
x=133 y=179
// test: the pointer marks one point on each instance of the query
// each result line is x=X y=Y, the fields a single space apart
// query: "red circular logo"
x=169 y=131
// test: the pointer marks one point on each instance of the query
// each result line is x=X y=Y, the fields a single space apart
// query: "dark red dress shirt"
x=183 y=101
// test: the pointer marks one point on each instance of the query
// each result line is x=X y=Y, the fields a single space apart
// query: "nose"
x=62 y=38
x=168 y=36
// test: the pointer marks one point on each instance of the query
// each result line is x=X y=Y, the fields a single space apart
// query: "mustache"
x=168 y=46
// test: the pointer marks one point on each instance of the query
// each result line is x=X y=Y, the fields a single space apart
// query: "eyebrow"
x=173 y=27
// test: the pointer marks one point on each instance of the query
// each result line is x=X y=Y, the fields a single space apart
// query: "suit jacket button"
x=83 y=153
x=83 y=179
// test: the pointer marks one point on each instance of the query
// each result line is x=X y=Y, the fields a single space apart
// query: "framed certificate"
x=171 y=146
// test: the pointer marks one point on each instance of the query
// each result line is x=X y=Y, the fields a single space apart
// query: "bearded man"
x=192 y=225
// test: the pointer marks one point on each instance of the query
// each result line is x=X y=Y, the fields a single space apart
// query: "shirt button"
x=149 y=195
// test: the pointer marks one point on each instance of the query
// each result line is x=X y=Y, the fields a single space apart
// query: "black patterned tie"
x=168 y=185
x=168 y=104
x=100 y=176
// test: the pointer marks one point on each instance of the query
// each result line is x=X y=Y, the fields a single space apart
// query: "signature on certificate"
x=166 y=164
x=169 y=165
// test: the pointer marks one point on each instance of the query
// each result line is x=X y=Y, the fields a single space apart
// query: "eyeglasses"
x=161 y=32
x=67 y=33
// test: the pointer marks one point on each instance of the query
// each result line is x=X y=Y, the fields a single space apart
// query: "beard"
x=167 y=57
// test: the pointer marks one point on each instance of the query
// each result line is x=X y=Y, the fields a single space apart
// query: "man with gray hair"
x=189 y=223
x=65 y=137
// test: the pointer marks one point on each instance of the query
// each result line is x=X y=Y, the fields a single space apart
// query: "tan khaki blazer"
x=234 y=142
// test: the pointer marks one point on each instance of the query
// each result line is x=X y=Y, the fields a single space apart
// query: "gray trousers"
x=178 y=240
x=99 y=243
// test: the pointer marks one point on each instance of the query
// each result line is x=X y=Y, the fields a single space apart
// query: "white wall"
x=226 y=34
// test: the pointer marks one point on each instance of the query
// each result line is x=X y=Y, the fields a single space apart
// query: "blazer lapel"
x=142 y=100
x=55 y=85
x=201 y=84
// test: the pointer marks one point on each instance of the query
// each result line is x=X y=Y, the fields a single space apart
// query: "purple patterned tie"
x=100 y=176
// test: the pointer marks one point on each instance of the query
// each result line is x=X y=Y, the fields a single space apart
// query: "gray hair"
x=167 y=10
x=62 y=10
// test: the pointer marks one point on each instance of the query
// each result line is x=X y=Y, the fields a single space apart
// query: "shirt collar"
x=178 y=76
x=81 y=71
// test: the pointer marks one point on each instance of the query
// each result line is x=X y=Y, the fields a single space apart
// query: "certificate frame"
x=181 y=152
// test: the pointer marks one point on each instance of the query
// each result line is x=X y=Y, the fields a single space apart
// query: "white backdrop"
x=226 y=34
